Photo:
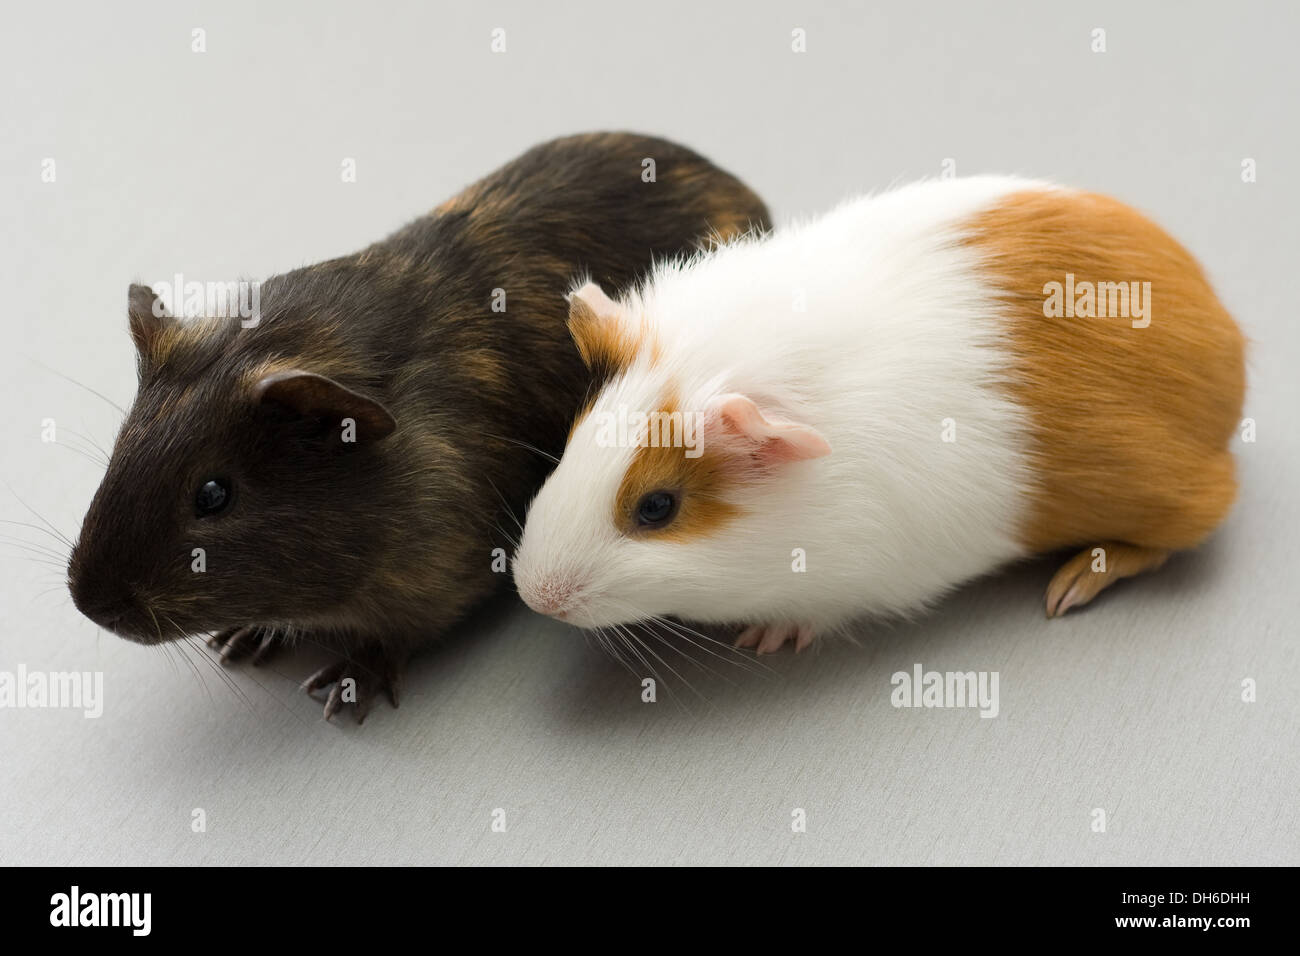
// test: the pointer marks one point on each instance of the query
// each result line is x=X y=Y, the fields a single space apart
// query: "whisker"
x=59 y=534
x=83 y=444
x=523 y=444
x=222 y=674
x=636 y=653
x=68 y=378
x=94 y=444
x=40 y=594
x=80 y=451
x=34 y=527
x=505 y=504
x=672 y=670
x=689 y=686
x=34 y=546
x=53 y=565
x=166 y=653
x=613 y=652
x=737 y=658
x=38 y=558
x=650 y=630
x=156 y=626
x=194 y=669
x=683 y=631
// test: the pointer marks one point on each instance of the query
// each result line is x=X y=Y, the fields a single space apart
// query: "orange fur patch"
x=1131 y=426
x=699 y=484
x=609 y=345
x=728 y=225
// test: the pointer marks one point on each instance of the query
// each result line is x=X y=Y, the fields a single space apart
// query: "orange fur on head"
x=698 y=482
x=607 y=341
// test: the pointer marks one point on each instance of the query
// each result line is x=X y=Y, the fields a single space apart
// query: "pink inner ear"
x=596 y=300
x=769 y=441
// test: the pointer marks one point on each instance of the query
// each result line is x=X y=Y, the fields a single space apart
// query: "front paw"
x=236 y=643
x=358 y=679
x=770 y=638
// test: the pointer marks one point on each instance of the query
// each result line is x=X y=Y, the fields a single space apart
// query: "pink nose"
x=551 y=597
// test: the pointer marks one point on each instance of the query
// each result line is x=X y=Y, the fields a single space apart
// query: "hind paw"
x=1090 y=572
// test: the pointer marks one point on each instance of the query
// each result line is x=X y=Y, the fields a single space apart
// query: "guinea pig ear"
x=148 y=315
x=745 y=433
x=596 y=324
x=316 y=396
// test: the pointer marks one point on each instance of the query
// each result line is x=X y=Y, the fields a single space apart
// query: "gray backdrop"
x=227 y=163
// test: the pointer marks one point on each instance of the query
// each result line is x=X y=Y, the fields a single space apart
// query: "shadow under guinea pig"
x=976 y=627
x=578 y=683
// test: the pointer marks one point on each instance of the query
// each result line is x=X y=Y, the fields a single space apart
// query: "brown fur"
x=607 y=346
x=1131 y=426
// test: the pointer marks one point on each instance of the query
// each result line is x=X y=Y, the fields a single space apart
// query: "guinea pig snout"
x=105 y=602
x=107 y=613
x=552 y=596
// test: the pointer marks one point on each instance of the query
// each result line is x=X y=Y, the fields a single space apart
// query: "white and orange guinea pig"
x=853 y=416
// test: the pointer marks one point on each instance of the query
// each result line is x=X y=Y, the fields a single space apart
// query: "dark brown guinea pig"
x=349 y=463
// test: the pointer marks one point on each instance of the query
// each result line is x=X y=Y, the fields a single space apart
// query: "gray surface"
x=226 y=164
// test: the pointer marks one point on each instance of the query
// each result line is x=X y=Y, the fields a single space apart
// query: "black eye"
x=656 y=509
x=212 y=497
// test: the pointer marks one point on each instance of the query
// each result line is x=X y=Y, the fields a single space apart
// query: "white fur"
x=900 y=333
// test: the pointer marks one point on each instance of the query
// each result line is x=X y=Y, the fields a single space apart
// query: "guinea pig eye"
x=212 y=497
x=656 y=509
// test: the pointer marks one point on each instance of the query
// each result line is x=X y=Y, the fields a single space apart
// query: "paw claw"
x=370 y=670
x=323 y=678
x=237 y=642
x=770 y=638
x=271 y=642
x=335 y=700
x=803 y=639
